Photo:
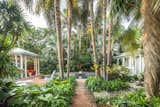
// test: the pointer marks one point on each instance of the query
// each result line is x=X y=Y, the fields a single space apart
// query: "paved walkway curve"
x=82 y=98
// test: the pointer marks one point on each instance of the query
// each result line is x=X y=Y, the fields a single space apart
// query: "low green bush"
x=128 y=77
x=132 y=99
x=97 y=84
x=115 y=85
x=131 y=78
x=94 y=83
x=56 y=93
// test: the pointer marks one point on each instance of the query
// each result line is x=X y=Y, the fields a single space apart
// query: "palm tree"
x=104 y=38
x=80 y=15
x=93 y=37
x=69 y=6
x=42 y=6
x=59 y=37
x=13 y=25
x=150 y=11
x=51 y=10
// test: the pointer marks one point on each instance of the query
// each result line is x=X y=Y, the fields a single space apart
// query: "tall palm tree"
x=81 y=13
x=12 y=27
x=69 y=7
x=150 y=11
x=59 y=37
x=104 y=39
x=93 y=37
x=51 y=10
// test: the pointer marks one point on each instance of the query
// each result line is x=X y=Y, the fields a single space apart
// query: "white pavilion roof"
x=20 y=51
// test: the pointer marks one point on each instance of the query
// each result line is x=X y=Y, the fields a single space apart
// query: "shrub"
x=115 y=85
x=7 y=67
x=94 y=83
x=131 y=78
x=133 y=99
x=5 y=87
x=56 y=93
x=97 y=84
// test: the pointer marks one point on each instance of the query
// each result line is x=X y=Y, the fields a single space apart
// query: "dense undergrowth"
x=132 y=99
x=56 y=93
x=131 y=78
x=97 y=84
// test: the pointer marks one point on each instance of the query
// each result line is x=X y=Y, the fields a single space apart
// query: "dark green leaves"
x=132 y=99
x=12 y=23
x=56 y=93
x=12 y=26
x=97 y=84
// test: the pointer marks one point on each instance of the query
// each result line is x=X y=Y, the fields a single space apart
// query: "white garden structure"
x=135 y=63
x=20 y=56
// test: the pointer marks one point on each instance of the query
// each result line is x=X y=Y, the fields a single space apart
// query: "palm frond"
x=126 y=8
x=12 y=21
x=131 y=39
x=156 y=5
x=28 y=4
x=47 y=8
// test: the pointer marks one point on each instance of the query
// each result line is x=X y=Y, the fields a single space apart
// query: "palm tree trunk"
x=151 y=49
x=80 y=40
x=59 y=39
x=93 y=38
x=104 y=39
x=69 y=3
x=109 y=57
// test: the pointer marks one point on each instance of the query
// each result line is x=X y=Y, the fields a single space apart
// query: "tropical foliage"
x=97 y=84
x=55 y=93
x=132 y=99
x=12 y=26
x=85 y=45
x=131 y=78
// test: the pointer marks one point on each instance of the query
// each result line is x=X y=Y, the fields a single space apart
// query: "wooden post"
x=25 y=61
x=21 y=65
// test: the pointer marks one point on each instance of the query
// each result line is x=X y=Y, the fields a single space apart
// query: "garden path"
x=82 y=98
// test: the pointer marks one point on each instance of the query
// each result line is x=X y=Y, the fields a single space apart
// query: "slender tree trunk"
x=93 y=37
x=104 y=39
x=69 y=3
x=75 y=45
x=80 y=40
x=59 y=39
x=151 y=49
x=109 y=57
